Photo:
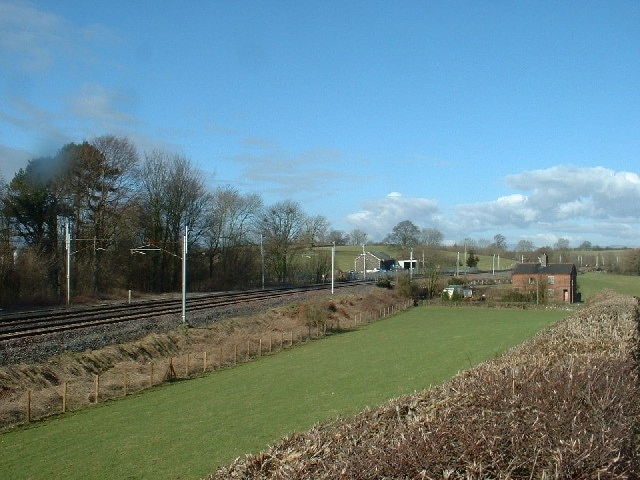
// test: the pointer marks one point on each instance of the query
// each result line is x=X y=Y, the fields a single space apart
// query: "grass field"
x=186 y=429
x=592 y=282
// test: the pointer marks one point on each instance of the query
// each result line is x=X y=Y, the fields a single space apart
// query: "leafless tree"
x=431 y=237
x=173 y=197
x=229 y=224
x=358 y=237
x=315 y=230
x=283 y=226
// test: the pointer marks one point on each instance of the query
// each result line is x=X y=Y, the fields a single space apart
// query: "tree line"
x=124 y=216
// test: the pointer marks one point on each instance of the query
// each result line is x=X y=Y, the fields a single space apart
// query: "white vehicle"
x=454 y=289
x=458 y=290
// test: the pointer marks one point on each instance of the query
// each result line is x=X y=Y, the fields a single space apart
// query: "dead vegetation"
x=127 y=367
x=563 y=405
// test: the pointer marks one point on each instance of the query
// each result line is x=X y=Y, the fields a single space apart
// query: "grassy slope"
x=185 y=430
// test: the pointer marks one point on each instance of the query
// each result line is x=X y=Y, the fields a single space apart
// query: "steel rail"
x=26 y=324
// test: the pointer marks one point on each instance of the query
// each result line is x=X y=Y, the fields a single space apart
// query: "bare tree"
x=524 y=249
x=484 y=244
x=338 y=237
x=283 y=225
x=173 y=198
x=358 y=237
x=229 y=223
x=499 y=242
x=315 y=229
x=432 y=237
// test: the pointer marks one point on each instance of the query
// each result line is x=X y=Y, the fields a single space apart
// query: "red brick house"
x=556 y=282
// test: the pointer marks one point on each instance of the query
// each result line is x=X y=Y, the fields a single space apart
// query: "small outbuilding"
x=373 y=262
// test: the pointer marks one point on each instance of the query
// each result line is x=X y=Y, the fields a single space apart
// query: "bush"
x=313 y=315
x=384 y=282
x=513 y=296
x=406 y=287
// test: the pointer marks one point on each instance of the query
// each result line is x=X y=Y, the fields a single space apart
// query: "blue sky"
x=473 y=117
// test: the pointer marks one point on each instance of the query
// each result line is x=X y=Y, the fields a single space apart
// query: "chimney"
x=544 y=260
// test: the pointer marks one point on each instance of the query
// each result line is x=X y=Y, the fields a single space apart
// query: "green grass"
x=187 y=429
x=593 y=282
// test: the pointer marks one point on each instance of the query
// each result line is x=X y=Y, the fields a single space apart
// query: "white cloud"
x=577 y=203
x=569 y=191
x=378 y=217
x=562 y=201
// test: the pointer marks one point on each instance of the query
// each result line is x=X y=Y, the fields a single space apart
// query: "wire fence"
x=126 y=378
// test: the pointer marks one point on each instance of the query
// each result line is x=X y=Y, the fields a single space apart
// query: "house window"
x=532 y=281
x=550 y=292
x=551 y=280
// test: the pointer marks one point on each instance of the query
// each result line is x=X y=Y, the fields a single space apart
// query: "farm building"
x=408 y=264
x=557 y=282
x=373 y=262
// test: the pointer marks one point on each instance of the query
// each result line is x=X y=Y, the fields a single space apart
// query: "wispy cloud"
x=102 y=105
x=309 y=173
x=35 y=39
x=30 y=37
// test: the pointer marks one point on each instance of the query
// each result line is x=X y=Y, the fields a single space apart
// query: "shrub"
x=406 y=287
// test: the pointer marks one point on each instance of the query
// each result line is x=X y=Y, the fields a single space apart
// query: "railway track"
x=26 y=324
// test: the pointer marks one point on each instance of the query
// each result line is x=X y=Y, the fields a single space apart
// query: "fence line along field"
x=72 y=380
x=71 y=393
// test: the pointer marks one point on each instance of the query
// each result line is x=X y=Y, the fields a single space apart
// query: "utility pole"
x=333 y=265
x=184 y=275
x=67 y=243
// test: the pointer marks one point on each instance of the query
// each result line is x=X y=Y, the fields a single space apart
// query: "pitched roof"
x=381 y=255
x=538 y=269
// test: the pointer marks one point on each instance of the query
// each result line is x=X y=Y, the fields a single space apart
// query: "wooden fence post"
x=151 y=376
x=204 y=362
x=248 y=350
x=96 y=387
x=64 y=397
x=28 y=406
x=235 y=354
x=260 y=347
x=125 y=382
x=186 y=367
x=171 y=371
